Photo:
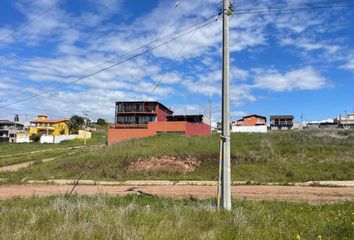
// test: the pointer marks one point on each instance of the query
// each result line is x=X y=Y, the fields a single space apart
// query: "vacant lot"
x=271 y=157
x=143 y=217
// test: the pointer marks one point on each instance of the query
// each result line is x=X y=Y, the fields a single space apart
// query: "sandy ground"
x=284 y=193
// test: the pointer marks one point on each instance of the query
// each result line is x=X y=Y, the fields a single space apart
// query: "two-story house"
x=281 y=122
x=138 y=119
x=52 y=127
x=9 y=130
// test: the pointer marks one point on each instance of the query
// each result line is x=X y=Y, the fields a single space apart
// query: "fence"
x=250 y=129
x=56 y=139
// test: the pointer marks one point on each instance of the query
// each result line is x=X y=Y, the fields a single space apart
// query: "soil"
x=313 y=195
x=165 y=163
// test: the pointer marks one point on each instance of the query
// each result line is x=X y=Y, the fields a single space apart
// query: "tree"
x=101 y=122
x=75 y=123
x=35 y=137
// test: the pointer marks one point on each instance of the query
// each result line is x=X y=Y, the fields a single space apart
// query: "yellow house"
x=53 y=127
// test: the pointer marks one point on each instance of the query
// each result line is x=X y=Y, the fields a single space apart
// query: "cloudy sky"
x=294 y=62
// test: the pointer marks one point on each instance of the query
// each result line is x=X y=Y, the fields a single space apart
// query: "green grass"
x=271 y=157
x=142 y=217
x=4 y=161
x=98 y=137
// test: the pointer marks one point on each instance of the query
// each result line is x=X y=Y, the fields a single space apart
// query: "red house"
x=138 y=119
x=252 y=120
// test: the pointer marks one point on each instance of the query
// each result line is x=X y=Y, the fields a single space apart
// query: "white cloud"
x=301 y=79
x=349 y=65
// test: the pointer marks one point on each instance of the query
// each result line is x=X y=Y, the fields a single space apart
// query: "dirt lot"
x=285 y=193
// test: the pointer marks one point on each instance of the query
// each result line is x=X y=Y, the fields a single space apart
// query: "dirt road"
x=285 y=193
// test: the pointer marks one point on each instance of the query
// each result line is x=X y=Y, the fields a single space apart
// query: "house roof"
x=163 y=106
x=49 y=120
x=282 y=116
x=253 y=115
x=10 y=122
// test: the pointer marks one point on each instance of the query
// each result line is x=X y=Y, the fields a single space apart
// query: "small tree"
x=35 y=137
x=75 y=123
x=101 y=122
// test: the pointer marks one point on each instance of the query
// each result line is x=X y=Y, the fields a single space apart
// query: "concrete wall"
x=82 y=135
x=153 y=128
x=197 y=129
x=57 y=139
x=23 y=138
x=250 y=129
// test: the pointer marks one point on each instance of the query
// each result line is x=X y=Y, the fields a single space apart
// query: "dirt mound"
x=165 y=163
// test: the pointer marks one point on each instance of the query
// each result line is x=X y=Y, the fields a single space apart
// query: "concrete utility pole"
x=225 y=133
x=85 y=119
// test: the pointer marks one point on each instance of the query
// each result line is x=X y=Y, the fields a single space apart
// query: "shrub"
x=35 y=137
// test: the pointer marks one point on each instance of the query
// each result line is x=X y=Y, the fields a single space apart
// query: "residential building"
x=9 y=130
x=346 y=121
x=281 y=122
x=250 y=124
x=251 y=120
x=142 y=119
x=51 y=127
x=140 y=112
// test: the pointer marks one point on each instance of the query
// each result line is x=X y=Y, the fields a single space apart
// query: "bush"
x=101 y=122
x=35 y=137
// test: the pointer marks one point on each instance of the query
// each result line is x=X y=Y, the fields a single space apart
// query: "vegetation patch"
x=144 y=217
x=165 y=163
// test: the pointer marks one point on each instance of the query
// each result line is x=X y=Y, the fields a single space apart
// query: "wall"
x=82 y=135
x=252 y=121
x=250 y=129
x=161 y=114
x=119 y=135
x=155 y=127
x=57 y=139
x=197 y=129
x=22 y=138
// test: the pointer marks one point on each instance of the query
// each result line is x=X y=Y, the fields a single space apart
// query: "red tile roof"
x=49 y=120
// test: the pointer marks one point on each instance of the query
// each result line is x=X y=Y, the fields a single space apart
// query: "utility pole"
x=85 y=119
x=225 y=132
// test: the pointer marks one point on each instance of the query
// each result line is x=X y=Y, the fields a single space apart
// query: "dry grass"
x=139 y=217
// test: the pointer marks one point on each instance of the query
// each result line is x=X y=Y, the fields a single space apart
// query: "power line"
x=305 y=7
x=82 y=19
x=110 y=61
x=112 y=65
x=160 y=33
x=30 y=22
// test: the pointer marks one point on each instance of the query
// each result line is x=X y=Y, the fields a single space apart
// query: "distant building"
x=140 y=119
x=9 y=130
x=250 y=123
x=50 y=127
x=281 y=122
x=251 y=120
x=346 y=121
x=140 y=112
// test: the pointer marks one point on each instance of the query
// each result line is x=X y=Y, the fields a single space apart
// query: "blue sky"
x=298 y=62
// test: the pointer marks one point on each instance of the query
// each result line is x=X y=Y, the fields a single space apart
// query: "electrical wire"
x=271 y=10
x=117 y=61
x=160 y=33
x=31 y=21
x=112 y=60
x=82 y=19
x=153 y=90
